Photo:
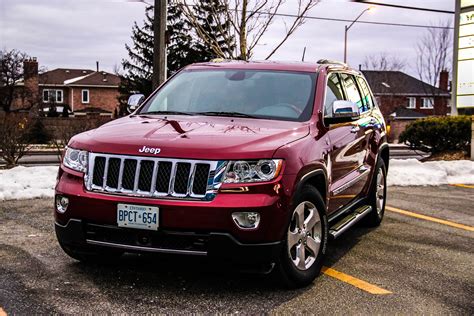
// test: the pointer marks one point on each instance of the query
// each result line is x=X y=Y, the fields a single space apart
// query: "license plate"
x=137 y=216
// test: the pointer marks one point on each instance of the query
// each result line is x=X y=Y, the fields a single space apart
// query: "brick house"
x=84 y=91
x=395 y=89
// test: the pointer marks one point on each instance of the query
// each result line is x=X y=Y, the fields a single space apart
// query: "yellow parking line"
x=463 y=186
x=2 y=312
x=373 y=289
x=429 y=218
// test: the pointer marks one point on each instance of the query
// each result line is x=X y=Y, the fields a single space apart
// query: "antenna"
x=304 y=52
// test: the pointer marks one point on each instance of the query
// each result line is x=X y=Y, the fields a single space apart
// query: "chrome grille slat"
x=185 y=186
x=119 y=185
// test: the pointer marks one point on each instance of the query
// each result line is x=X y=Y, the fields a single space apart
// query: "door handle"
x=355 y=129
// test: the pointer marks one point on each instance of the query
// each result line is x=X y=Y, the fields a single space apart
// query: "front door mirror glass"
x=134 y=101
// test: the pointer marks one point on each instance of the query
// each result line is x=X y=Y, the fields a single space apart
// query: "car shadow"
x=176 y=283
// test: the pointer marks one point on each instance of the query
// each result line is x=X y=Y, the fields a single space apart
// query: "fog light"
x=62 y=203
x=246 y=220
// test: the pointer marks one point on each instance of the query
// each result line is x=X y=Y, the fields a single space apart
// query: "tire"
x=377 y=195
x=304 y=241
x=100 y=256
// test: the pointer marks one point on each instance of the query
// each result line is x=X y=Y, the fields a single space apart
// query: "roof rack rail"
x=328 y=61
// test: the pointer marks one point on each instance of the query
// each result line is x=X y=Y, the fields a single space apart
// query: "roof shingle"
x=397 y=82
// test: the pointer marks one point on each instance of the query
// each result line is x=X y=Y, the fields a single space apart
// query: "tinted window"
x=352 y=90
x=333 y=93
x=366 y=97
x=277 y=95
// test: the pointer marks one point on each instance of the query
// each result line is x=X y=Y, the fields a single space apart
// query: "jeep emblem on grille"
x=146 y=149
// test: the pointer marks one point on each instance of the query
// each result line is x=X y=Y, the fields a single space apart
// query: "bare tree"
x=434 y=55
x=249 y=21
x=11 y=72
x=384 y=62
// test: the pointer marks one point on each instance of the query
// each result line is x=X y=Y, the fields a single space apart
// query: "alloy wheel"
x=380 y=191
x=304 y=235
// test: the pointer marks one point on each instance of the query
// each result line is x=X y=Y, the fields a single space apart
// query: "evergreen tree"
x=212 y=18
x=181 y=51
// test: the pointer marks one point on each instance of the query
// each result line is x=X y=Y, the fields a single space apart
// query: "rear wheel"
x=377 y=195
x=302 y=256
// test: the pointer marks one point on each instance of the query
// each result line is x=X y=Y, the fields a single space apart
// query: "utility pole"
x=159 y=43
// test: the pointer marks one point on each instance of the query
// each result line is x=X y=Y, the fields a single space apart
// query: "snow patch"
x=413 y=172
x=27 y=182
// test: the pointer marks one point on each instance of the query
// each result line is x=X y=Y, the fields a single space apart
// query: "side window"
x=352 y=90
x=333 y=93
x=366 y=97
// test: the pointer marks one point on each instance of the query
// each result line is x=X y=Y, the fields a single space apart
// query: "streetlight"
x=371 y=8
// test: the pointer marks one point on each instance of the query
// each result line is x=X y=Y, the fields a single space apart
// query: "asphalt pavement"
x=422 y=264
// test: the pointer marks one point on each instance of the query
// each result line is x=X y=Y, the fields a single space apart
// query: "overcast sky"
x=77 y=33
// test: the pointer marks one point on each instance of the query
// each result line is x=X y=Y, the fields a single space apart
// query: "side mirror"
x=134 y=102
x=343 y=111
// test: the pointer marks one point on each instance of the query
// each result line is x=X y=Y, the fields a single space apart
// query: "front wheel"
x=303 y=252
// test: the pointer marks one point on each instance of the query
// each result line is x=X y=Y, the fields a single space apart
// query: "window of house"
x=333 y=92
x=352 y=91
x=45 y=95
x=59 y=96
x=411 y=103
x=85 y=96
x=427 y=103
x=52 y=95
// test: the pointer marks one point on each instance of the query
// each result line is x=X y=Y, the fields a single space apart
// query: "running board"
x=347 y=222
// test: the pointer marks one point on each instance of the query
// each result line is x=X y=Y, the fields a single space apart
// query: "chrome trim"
x=147 y=249
x=214 y=181
x=352 y=182
x=358 y=215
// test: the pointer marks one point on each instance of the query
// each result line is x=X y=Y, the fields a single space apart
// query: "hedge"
x=438 y=134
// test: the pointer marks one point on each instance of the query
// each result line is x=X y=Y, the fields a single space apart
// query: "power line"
x=363 y=22
x=403 y=6
x=309 y=17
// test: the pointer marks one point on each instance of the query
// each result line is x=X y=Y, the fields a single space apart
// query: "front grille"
x=152 y=177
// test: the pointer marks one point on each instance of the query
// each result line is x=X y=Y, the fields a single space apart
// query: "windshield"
x=248 y=93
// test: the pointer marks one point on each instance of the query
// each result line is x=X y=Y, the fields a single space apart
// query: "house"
x=83 y=91
x=396 y=90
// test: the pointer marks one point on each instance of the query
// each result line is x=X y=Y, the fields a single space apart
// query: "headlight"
x=75 y=159
x=244 y=171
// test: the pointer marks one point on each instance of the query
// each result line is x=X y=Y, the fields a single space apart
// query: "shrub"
x=37 y=133
x=13 y=140
x=438 y=134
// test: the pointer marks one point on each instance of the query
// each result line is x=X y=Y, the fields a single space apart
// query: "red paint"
x=304 y=146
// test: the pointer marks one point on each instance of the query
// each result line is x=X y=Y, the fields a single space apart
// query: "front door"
x=348 y=149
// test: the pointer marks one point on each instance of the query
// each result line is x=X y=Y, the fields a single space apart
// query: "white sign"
x=467 y=3
x=465 y=66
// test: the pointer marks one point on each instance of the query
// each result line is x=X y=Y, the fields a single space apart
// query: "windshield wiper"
x=167 y=112
x=223 y=113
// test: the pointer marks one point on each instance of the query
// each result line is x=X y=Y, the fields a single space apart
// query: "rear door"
x=348 y=148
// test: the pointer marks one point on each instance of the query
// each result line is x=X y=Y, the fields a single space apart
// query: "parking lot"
x=419 y=261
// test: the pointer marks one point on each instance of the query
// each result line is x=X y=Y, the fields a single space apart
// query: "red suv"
x=255 y=162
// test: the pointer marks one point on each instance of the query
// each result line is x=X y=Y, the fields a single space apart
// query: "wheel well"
x=319 y=182
x=385 y=156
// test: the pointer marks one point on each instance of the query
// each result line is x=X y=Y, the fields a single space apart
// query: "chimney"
x=97 y=66
x=31 y=81
x=444 y=80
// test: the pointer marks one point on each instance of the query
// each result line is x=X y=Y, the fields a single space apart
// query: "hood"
x=194 y=137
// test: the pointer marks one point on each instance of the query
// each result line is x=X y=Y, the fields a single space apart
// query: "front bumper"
x=82 y=235
x=270 y=200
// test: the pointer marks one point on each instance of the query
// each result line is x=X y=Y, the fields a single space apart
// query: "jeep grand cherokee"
x=256 y=162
